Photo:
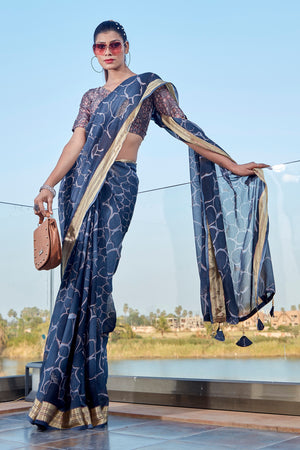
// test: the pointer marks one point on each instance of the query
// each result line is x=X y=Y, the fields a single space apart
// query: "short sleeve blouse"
x=161 y=99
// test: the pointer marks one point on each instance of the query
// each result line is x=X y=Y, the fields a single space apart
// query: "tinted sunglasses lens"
x=115 y=47
x=99 y=49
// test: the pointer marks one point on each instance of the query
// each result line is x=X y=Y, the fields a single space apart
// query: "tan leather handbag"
x=47 y=246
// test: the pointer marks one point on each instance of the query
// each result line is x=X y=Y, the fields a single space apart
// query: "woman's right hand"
x=45 y=196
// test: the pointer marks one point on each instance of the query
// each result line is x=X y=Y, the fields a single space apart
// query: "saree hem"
x=48 y=416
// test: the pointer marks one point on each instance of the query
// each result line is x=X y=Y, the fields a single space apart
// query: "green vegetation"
x=157 y=335
x=24 y=336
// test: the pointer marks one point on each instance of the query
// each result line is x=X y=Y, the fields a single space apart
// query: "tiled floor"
x=128 y=433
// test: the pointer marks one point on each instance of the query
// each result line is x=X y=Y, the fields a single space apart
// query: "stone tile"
x=180 y=445
x=104 y=441
x=9 y=445
x=15 y=416
x=239 y=438
x=31 y=435
x=116 y=422
x=10 y=424
x=288 y=444
x=165 y=429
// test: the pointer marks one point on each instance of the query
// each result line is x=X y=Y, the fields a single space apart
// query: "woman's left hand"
x=244 y=170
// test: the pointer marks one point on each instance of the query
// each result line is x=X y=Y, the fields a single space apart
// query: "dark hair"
x=110 y=25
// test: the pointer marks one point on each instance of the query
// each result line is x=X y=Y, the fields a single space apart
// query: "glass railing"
x=160 y=331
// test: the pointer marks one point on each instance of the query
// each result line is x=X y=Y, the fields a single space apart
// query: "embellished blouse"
x=161 y=99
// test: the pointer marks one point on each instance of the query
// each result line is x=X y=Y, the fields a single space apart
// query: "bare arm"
x=227 y=163
x=68 y=157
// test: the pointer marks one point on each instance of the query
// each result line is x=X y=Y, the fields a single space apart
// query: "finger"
x=41 y=208
x=263 y=166
x=50 y=202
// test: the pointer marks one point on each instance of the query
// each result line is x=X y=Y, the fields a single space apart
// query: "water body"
x=267 y=369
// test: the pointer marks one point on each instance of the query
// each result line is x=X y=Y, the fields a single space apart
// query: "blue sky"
x=236 y=68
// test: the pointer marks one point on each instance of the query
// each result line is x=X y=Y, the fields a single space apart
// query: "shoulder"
x=92 y=93
x=149 y=76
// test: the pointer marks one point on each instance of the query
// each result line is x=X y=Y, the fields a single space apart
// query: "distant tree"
x=125 y=309
x=158 y=312
x=299 y=307
x=122 y=331
x=152 y=317
x=162 y=325
x=178 y=311
x=190 y=313
x=12 y=313
x=184 y=313
x=133 y=317
x=3 y=331
x=293 y=308
x=282 y=309
x=31 y=316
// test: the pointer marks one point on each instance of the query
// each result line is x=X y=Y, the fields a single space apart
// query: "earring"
x=98 y=71
x=129 y=57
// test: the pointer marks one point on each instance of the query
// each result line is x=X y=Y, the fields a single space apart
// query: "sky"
x=236 y=68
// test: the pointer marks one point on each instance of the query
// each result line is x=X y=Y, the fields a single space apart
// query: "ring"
x=36 y=207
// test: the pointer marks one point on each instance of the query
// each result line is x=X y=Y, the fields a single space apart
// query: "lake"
x=267 y=369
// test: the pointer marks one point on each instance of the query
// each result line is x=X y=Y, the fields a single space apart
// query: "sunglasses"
x=114 y=47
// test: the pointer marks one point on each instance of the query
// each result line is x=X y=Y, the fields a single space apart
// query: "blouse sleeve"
x=84 y=113
x=165 y=103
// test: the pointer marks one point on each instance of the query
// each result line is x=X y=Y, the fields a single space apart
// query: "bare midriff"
x=130 y=148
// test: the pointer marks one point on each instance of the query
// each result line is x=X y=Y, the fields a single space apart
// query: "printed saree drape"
x=96 y=203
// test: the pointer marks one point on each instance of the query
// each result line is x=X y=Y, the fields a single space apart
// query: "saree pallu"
x=231 y=226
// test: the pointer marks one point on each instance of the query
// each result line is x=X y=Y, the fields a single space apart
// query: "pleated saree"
x=96 y=204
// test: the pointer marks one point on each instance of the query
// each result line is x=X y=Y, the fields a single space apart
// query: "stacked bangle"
x=50 y=188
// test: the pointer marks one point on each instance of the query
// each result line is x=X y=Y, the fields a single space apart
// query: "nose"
x=107 y=50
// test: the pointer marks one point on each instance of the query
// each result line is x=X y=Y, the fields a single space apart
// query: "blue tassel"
x=243 y=342
x=272 y=311
x=260 y=325
x=220 y=335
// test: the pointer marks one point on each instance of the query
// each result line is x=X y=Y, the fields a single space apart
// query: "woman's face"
x=110 y=50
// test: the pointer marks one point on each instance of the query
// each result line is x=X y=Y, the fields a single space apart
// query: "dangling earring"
x=129 y=57
x=98 y=71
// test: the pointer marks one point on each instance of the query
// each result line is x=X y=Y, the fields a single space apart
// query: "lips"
x=108 y=61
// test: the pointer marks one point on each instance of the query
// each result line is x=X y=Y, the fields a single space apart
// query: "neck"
x=116 y=77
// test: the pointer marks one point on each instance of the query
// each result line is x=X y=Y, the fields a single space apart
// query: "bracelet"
x=50 y=188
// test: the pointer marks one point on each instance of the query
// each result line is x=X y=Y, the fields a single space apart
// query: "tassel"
x=260 y=325
x=220 y=335
x=272 y=309
x=243 y=341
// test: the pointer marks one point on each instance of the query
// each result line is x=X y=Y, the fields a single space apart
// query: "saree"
x=96 y=203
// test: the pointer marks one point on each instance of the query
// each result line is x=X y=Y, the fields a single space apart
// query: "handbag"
x=47 y=246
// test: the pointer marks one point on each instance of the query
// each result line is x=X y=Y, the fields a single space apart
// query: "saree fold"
x=96 y=204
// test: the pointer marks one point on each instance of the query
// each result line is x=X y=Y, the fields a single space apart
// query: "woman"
x=97 y=170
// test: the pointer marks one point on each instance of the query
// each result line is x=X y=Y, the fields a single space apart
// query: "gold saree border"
x=189 y=138
x=262 y=231
x=216 y=291
x=76 y=417
x=99 y=177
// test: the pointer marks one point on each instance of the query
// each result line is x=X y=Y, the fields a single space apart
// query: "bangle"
x=50 y=188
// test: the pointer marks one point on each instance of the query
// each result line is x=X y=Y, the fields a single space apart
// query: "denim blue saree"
x=96 y=203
